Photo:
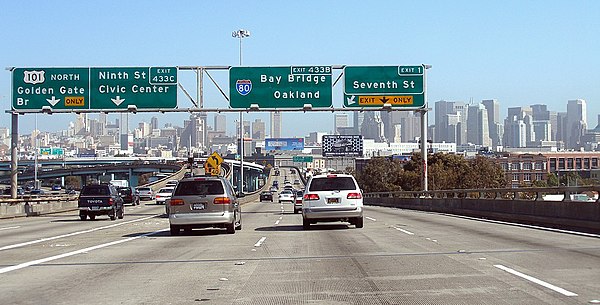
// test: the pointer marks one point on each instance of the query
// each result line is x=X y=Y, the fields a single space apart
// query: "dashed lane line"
x=537 y=281
x=260 y=241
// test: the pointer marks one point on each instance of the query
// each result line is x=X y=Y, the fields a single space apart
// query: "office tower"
x=515 y=129
x=456 y=111
x=340 y=121
x=192 y=134
x=247 y=130
x=478 y=126
x=576 y=123
x=154 y=123
x=258 y=129
x=357 y=121
x=220 y=123
x=494 y=125
x=144 y=129
x=103 y=121
x=275 y=124
x=542 y=127
x=372 y=127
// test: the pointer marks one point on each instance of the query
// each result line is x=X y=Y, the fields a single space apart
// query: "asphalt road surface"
x=399 y=257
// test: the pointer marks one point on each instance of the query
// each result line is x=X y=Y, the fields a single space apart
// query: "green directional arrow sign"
x=374 y=86
x=59 y=88
x=280 y=87
x=94 y=88
x=144 y=87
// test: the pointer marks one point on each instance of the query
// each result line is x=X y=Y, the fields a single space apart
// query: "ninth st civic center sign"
x=94 y=88
x=280 y=87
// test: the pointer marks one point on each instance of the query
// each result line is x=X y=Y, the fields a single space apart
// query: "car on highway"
x=201 y=202
x=37 y=192
x=172 y=183
x=298 y=202
x=100 y=199
x=273 y=189
x=286 y=196
x=266 y=196
x=56 y=187
x=332 y=197
x=128 y=195
x=164 y=194
x=145 y=193
x=297 y=182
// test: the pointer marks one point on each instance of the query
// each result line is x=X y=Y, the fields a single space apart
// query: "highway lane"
x=399 y=257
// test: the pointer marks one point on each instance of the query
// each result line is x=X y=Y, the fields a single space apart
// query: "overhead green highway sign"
x=302 y=158
x=374 y=86
x=280 y=87
x=94 y=88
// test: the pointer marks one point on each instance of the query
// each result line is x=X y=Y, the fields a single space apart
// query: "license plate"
x=333 y=200
x=198 y=206
x=95 y=208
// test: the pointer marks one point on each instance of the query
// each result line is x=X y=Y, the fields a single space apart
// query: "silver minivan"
x=201 y=202
x=332 y=197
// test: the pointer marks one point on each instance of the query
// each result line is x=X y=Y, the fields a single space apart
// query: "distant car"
x=286 y=196
x=204 y=202
x=128 y=195
x=266 y=196
x=273 y=189
x=56 y=187
x=298 y=202
x=144 y=193
x=37 y=192
x=332 y=197
x=172 y=183
x=163 y=194
x=20 y=191
x=297 y=181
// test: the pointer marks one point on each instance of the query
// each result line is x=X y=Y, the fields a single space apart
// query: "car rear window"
x=332 y=184
x=95 y=190
x=144 y=189
x=199 y=188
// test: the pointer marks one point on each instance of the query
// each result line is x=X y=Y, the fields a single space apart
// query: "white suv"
x=332 y=197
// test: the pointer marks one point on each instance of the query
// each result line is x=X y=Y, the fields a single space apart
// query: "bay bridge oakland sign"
x=94 y=88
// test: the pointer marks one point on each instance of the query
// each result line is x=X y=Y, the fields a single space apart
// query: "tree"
x=380 y=175
x=552 y=180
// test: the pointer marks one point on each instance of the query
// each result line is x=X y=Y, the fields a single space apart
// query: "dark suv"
x=128 y=196
x=103 y=199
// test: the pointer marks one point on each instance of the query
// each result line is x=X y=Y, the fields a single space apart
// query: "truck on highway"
x=102 y=199
x=120 y=183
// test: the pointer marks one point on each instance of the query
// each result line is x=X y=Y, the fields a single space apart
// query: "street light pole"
x=241 y=34
x=35 y=144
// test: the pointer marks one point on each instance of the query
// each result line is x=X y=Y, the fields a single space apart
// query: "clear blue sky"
x=519 y=52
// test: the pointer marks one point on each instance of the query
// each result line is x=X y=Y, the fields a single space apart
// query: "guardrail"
x=561 y=207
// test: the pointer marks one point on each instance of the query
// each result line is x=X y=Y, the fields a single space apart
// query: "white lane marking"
x=277 y=222
x=537 y=281
x=72 y=234
x=404 y=231
x=371 y=218
x=280 y=218
x=260 y=241
x=80 y=251
x=8 y=228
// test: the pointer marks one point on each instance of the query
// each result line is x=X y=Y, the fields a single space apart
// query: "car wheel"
x=174 y=230
x=358 y=222
x=121 y=212
x=113 y=214
x=305 y=224
x=92 y=217
x=82 y=217
x=230 y=228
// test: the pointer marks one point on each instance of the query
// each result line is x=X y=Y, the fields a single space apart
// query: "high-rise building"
x=258 y=129
x=372 y=127
x=357 y=121
x=478 y=126
x=192 y=134
x=451 y=112
x=494 y=124
x=220 y=123
x=154 y=123
x=340 y=121
x=515 y=129
x=275 y=124
x=576 y=122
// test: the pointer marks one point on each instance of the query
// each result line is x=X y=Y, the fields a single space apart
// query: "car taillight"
x=222 y=200
x=110 y=201
x=311 y=197
x=354 y=196
x=176 y=202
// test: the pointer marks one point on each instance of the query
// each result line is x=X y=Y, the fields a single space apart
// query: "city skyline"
x=517 y=53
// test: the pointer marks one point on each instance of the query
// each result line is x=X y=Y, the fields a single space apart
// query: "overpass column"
x=133 y=179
